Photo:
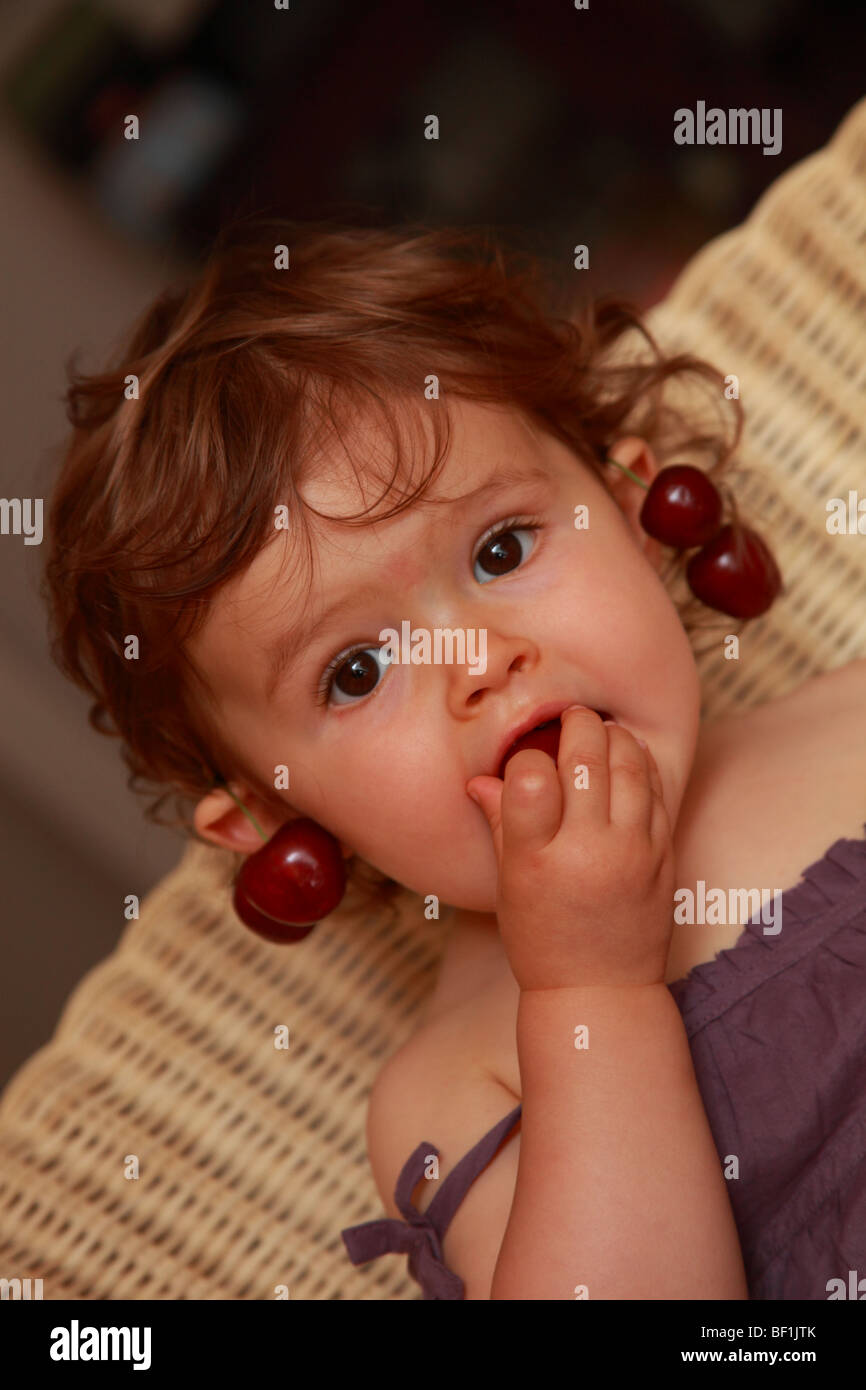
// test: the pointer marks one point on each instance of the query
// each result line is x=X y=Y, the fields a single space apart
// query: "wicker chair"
x=252 y=1158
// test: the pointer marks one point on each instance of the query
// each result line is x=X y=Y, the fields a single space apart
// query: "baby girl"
x=337 y=431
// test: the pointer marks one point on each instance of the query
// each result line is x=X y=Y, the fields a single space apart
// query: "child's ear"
x=633 y=452
x=219 y=819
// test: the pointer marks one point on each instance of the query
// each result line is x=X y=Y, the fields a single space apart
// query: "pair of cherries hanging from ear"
x=299 y=875
x=295 y=879
x=733 y=571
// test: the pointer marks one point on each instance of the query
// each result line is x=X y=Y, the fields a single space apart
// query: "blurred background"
x=556 y=128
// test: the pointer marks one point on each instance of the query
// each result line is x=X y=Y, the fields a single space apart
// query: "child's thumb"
x=487 y=793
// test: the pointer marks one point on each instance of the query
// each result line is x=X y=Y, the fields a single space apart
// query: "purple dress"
x=777 y=1031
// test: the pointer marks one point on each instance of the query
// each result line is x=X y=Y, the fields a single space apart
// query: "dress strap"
x=464 y=1173
x=420 y=1235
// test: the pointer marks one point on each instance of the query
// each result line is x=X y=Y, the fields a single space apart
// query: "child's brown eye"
x=352 y=675
x=502 y=552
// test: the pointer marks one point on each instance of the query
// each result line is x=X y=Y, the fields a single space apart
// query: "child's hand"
x=586 y=874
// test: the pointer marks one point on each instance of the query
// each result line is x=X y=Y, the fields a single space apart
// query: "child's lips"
x=545 y=736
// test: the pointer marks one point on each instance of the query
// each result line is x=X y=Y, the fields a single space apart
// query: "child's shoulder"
x=437 y=1090
x=814 y=717
x=774 y=787
x=846 y=683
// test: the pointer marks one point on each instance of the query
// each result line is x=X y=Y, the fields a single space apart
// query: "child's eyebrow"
x=288 y=648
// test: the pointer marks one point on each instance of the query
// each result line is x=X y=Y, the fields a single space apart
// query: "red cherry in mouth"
x=735 y=573
x=545 y=736
x=291 y=883
x=682 y=508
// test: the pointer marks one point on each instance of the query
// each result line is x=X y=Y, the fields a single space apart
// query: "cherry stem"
x=249 y=815
x=634 y=477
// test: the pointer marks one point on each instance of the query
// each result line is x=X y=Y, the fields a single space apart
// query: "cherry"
x=735 y=573
x=295 y=879
x=544 y=736
x=266 y=926
x=682 y=508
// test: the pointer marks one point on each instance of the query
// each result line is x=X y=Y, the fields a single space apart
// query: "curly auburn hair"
x=163 y=498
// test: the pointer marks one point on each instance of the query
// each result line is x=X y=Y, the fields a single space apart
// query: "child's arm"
x=619 y=1187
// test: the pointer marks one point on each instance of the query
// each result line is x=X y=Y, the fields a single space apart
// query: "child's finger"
x=487 y=794
x=531 y=801
x=660 y=819
x=631 y=796
x=583 y=766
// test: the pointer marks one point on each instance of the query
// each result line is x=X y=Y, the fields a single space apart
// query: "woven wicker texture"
x=252 y=1158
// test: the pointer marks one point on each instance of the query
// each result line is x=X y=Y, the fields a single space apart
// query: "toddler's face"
x=577 y=616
